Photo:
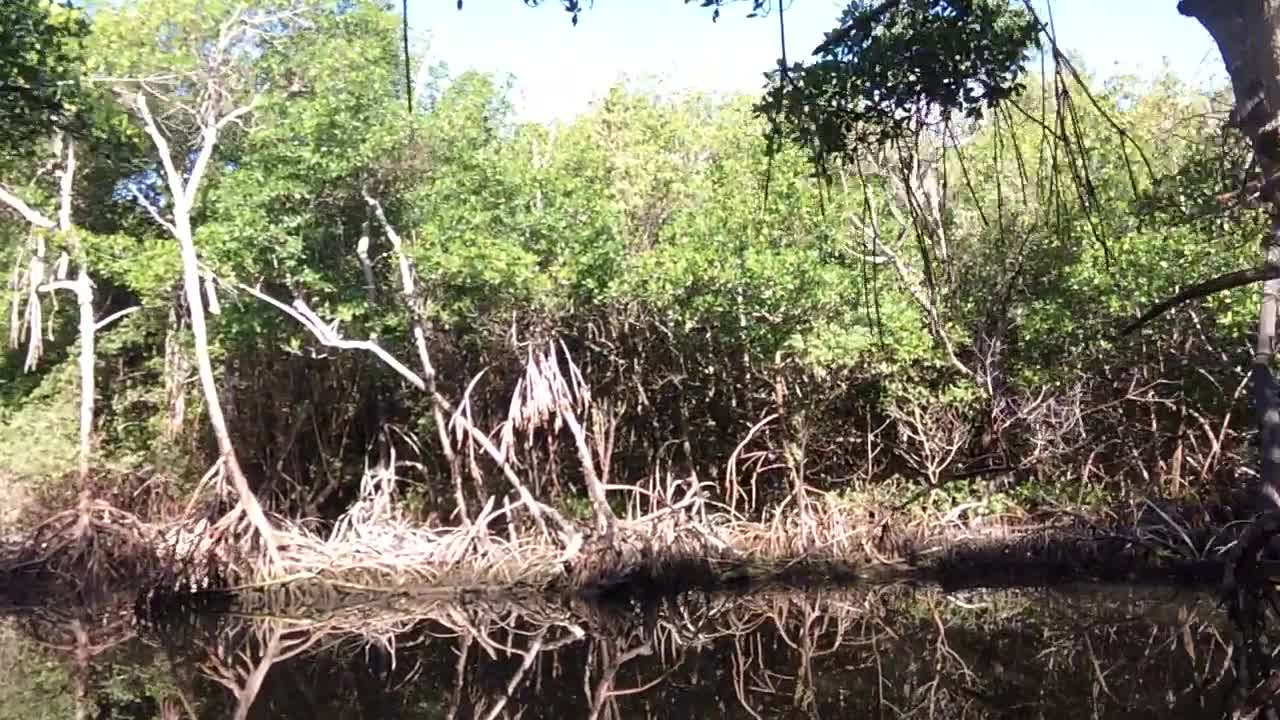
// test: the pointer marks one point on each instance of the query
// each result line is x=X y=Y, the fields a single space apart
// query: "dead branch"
x=28 y=213
x=409 y=291
x=327 y=335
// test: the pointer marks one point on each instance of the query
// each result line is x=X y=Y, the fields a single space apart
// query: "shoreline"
x=177 y=563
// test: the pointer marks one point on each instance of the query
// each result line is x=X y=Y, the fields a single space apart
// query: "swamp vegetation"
x=320 y=360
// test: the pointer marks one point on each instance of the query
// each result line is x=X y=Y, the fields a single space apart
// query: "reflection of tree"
x=80 y=636
x=1253 y=603
x=239 y=649
x=97 y=644
x=908 y=652
x=243 y=669
x=605 y=658
x=917 y=653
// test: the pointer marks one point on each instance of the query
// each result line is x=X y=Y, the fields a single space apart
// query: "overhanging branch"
x=1229 y=281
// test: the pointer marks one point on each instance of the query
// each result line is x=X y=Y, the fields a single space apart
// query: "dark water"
x=887 y=652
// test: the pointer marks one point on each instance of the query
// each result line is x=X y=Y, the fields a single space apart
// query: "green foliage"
x=578 y=509
x=38 y=431
x=38 y=85
x=701 y=274
x=889 y=67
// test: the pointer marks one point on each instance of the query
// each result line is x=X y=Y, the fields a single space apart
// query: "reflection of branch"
x=459 y=678
x=602 y=698
x=739 y=674
x=535 y=647
x=248 y=692
x=1097 y=667
x=244 y=679
x=748 y=641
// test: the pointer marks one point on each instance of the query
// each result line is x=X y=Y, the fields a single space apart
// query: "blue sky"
x=560 y=69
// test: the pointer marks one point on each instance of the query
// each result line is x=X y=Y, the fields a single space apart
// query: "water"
x=876 y=652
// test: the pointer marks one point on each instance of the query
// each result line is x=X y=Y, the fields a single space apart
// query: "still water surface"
x=874 y=652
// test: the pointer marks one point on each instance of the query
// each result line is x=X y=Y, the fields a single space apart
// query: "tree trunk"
x=1247 y=33
x=208 y=385
x=1266 y=397
x=83 y=288
x=84 y=297
x=183 y=195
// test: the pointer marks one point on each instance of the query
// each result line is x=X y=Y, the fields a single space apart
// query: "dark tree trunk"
x=1247 y=33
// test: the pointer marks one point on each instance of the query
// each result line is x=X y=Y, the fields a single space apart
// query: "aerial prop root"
x=83 y=545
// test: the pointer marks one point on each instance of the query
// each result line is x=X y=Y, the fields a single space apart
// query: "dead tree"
x=559 y=391
x=33 y=281
x=201 y=105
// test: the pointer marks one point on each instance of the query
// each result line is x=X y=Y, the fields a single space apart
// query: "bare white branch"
x=72 y=285
x=116 y=316
x=408 y=288
x=211 y=292
x=328 y=336
x=211 y=126
x=30 y=214
x=238 y=113
x=115 y=80
x=176 y=185
x=17 y=281
x=366 y=265
x=35 y=312
x=153 y=210
x=65 y=186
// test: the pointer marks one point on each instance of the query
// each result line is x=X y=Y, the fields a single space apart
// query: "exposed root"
x=675 y=540
x=85 y=550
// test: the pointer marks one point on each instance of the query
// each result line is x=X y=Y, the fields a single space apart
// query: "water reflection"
x=885 y=652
